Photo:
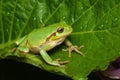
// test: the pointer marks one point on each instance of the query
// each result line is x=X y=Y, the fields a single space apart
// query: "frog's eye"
x=60 y=29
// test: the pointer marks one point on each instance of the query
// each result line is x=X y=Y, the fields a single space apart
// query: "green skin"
x=43 y=40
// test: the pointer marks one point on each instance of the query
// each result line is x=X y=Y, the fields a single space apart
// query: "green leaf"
x=96 y=25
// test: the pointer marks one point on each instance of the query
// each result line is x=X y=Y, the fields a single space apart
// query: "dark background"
x=14 y=70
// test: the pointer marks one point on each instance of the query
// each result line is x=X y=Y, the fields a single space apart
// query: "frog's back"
x=39 y=36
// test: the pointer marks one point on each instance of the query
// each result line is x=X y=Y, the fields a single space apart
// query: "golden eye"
x=60 y=29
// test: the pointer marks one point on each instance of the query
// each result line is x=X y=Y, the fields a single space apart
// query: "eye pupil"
x=60 y=30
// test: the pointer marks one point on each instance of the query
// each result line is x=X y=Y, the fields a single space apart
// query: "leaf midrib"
x=94 y=31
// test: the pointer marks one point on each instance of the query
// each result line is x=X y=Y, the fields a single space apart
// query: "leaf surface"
x=96 y=25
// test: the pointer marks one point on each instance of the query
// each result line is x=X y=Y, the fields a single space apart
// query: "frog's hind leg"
x=49 y=60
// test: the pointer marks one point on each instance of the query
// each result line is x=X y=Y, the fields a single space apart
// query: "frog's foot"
x=74 y=48
x=59 y=63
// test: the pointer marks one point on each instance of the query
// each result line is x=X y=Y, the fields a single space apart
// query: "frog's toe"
x=63 y=62
x=74 y=48
x=59 y=63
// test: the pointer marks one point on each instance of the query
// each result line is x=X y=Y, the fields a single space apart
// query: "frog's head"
x=59 y=32
x=62 y=30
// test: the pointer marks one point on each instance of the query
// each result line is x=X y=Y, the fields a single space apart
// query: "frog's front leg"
x=72 y=48
x=50 y=61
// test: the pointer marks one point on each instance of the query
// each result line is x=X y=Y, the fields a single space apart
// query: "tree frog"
x=42 y=40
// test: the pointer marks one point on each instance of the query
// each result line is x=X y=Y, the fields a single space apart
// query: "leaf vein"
x=2 y=29
x=53 y=13
x=95 y=31
x=106 y=14
x=84 y=12
x=11 y=27
x=27 y=20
